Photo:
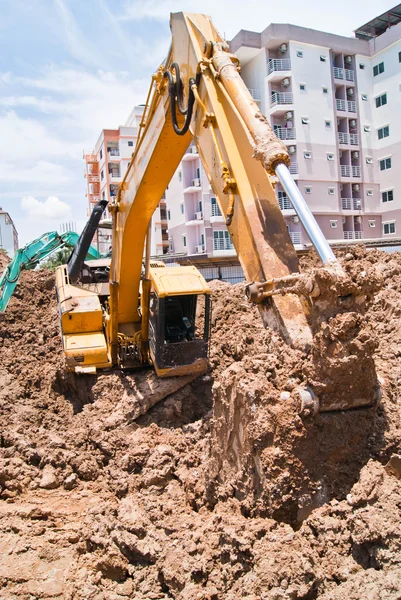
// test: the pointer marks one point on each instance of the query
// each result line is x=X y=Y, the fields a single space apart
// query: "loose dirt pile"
x=220 y=491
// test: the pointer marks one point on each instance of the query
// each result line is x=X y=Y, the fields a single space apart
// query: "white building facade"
x=8 y=234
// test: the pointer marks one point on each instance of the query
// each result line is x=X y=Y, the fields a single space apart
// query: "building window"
x=302 y=87
x=130 y=143
x=383 y=132
x=308 y=189
x=323 y=58
x=300 y=54
x=388 y=196
x=179 y=176
x=364 y=97
x=203 y=239
x=198 y=173
x=361 y=65
x=304 y=120
x=389 y=228
x=182 y=208
x=381 y=100
x=377 y=69
x=333 y=224
x=327 y=123
x=307 y=154
x=102 y=174
x=399 y=57
x=169 y=215
x=325 y=90
x=332 y=191
x=101 y=154
x=330 y=157
x=184 y=240
x=385 y=164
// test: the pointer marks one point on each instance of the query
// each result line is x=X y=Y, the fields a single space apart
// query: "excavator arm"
x=198 y=95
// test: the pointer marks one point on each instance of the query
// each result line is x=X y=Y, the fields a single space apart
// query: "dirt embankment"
x=221 y=491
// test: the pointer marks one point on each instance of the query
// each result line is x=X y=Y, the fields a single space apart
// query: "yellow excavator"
x=131 y=312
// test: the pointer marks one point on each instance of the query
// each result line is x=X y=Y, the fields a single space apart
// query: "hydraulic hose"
x=175 y=92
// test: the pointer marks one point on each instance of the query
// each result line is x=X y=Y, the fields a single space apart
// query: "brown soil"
x=222 y=490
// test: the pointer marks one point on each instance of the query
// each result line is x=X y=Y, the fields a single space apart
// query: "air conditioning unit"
x=199 y=215
x=199 y=249
x=355 y=154
x=348 y=60
x=196 y=182
x=355 y=187
x=288 y=115
x=350 y=91
x=194 y=150
x=295 y=219
x=283 y=48
x=372 y=223
x=292 y=149
x=285 y=82
x=358 y=220
x=352 y=123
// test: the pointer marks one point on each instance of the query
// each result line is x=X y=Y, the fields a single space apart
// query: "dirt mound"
x=221 y=491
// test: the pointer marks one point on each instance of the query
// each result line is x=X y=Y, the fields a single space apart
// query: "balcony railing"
x=351 y=105
x=346 y=203
x=115 y=173
x=222 y=244
x=255 y=93
x=285 y=134
x=278 y=64
x=114 y=152
x=353 y=235
x=281 y=98
x=356 y=171
x=284 y=202
x=354 y=139
x=294 y=168
x=343 y=138
x=215 y=211
x=341 y=104
x=349 y=75
x=295 y=237
x=345 y=170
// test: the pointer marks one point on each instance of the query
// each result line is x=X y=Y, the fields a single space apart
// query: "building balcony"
x=191 y=154
x=293 y=168
x=220 y=244
x=346 y=105
x=353 y=235
x=284 y=133
x=195 y=219
x=194 y=187
x=343 y=138
x=215 y=214
x=90 y=158
x=344 y=74
x=356 y=171
x=278 y=66
x=351 y=204
x=341 y=104
x=92 y=178
x=284 y=202
x=114 y=152
x=345 y=170
x=281 y=98
x=351 y=106
x=295 y=237
x=354 y=139
x=255 y=93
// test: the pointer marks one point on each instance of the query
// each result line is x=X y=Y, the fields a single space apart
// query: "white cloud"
x=50 y=209
x=43 y=173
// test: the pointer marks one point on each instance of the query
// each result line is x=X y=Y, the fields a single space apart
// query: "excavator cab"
x=179 y=322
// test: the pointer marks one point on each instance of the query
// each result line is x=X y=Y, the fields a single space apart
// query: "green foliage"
x=60 y=257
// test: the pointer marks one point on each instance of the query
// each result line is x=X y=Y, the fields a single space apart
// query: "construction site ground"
x=222 y=490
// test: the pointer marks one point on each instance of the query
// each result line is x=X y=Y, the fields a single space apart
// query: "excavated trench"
x=222 y=490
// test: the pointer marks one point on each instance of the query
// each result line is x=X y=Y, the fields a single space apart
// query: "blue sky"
x=69 y=68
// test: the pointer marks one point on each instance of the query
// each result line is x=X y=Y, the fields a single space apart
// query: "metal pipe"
x=306 y=217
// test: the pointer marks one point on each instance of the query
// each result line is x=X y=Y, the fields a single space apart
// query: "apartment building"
x=334 y=102
x=195 y=223
x=105 y=168
x=8 y=234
